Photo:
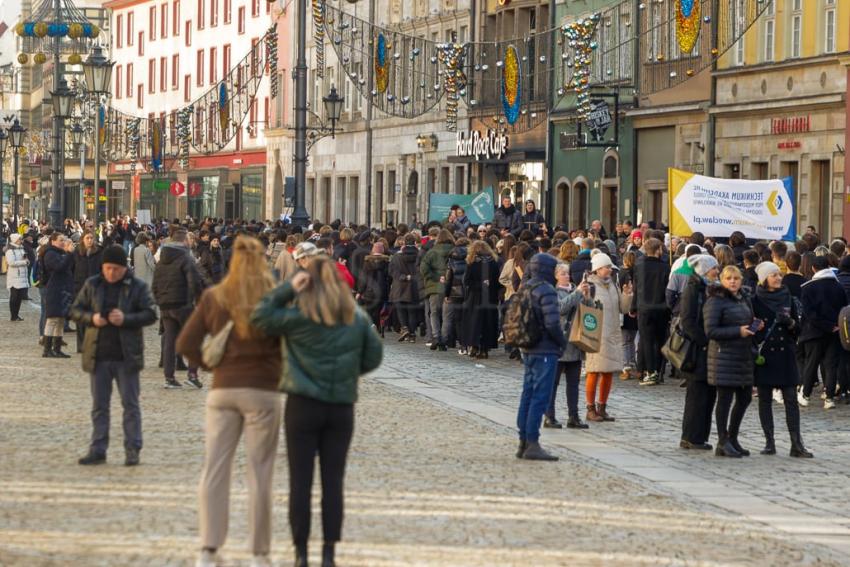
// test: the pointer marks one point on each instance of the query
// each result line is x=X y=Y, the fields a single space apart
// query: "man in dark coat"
x=541 y=360
x=649 y=302
x=114 y=307
x=532 y=219
x=177 y=285
x=822 y=298
x=507 y=219
x=405 y=290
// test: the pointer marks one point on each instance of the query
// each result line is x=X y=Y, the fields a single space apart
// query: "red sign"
x=794 y=125
x=788 y=145
x=195 y=189
x=177 y=188
x=137 y=187
x=33 y=185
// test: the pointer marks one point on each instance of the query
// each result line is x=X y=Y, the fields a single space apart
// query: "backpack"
x=520 y=326
x=844 y=326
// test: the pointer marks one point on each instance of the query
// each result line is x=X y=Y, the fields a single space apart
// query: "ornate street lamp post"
x=333 y=108
x=4 y=143
x=16 y=140
x=98 y=72
x=63 y=102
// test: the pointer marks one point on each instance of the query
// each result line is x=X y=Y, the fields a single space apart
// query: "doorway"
x=326 y=199
x=610 y=199
x=562 y=193
x=819 y=198
x=411 y=194
x=578 y=216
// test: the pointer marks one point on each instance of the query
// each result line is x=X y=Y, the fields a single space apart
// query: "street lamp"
x=77 y=135
x=98 y=72
x=4 y=143
x=16 y=140
x=63 y=100
x=333 y=108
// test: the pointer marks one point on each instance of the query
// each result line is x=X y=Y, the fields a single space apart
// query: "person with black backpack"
x=453 y=304
x=533 y=323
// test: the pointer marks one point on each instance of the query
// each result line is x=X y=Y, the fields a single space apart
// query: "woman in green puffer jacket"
x=328 y=343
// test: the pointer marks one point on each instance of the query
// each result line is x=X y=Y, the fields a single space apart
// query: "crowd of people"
x=757 y=318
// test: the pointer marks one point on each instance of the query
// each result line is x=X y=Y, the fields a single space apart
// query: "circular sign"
x=590 y=322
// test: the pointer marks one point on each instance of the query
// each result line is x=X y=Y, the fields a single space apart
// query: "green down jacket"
x=319 y=362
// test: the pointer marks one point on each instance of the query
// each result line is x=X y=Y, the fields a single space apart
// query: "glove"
x=785 y=320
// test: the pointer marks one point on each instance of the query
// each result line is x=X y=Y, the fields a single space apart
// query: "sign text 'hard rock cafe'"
x=478 y=145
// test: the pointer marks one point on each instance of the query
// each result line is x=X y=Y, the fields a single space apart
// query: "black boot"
x=301 y=555
x=328 y=555
x=552 y=423
x=574 y=422
x=48 y=348
x=769 y=443
x=521 y=449
x=57 y=348
x=734 y=441
x=534 y=452
x=797 y=448
x=726 y=449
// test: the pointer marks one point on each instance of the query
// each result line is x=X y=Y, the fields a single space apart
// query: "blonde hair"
x=247 y=281
x=480 y=247
x=731 y=271
x=327 y=298
x=568 y=251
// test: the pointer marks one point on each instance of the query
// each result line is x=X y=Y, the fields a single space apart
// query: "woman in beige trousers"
x=244 y=399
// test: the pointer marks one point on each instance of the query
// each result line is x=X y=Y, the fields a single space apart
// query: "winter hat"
x=636 y=234
x=702 y=263
x=378 y=248
x=764 y=269
x=600 y=261
x=15 y=238
x=115 y=255
x=305 y=250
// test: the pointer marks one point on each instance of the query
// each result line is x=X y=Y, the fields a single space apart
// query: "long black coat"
x=373 y=282
x=404 y=272
x=86 y=265
x=730 y=356
x=480 y=325
x=59 y=268
x=693 y=324
x=779 y=350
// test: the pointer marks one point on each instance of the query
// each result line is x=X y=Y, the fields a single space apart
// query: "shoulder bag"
x=213 y=347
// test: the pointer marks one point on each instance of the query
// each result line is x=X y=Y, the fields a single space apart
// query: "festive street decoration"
x=156 y=146
x=382 y=64
x=688 y=24
x=511 y=85
x=452 y=56
x=48 y=27
x=580 y=38
x=319 y=36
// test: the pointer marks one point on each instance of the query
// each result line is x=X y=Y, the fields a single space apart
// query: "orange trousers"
x=605 y=380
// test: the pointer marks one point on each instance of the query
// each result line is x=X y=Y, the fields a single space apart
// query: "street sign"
x=598 y=120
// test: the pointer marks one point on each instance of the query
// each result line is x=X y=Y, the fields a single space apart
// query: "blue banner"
x=479 y=207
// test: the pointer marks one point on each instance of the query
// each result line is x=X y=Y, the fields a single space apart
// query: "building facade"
x=167 y=54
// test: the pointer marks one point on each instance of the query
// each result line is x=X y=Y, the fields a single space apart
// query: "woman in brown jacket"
x=244 y=398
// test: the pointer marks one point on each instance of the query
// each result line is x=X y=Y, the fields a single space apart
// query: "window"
x=163 y=74
x=464 y=31
x=769 y=26
x=152 y=23
x=240 y=16
x=119 y=31
x=141 y=43
x=119 y=72
x=266 y=113
x=140 y=95
x=151 y=76
x=199 y=70
x=213 y=65
x=175 y=18
x=130 y=28
x=163 y=21
x=187 y=88
x=228 y=6
x=200 y=14
x=796 y=32
x=175 y=71
x=213 y=13
x=252 y=120
x=829 y=27
x=254 y=72
x=797 y=5
x=129 y=80
x=255 y=8
x=225 y=59
x=740 y=26
x=188 y=33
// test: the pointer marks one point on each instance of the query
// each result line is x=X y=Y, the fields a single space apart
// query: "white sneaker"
x=829 y=404
x=777 y=397
x=207 y=559
x=802 y=400
x=823 y=395
x=261 y=561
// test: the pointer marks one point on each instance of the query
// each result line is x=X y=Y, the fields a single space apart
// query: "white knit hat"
x=600 y=261
x=702 y=263
x=764 y=269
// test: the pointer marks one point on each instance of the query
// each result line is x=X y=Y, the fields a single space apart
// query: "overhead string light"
x=451 y=56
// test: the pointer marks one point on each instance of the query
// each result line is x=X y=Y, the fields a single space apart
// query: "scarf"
x=777 y=300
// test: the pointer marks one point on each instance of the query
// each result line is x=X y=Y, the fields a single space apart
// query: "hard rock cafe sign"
x=481 y=145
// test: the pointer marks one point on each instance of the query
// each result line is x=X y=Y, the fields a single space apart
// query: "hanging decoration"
x=319 y=36
x=101 y=131
x=511 y=85
x=49 y=26
x=156 y=146
x=687 y=24
x=223 y=107
x=184 y=136
x=579 y=36
x=382 y=64
x=271 y=50
x=132 y=133
x=452 y=56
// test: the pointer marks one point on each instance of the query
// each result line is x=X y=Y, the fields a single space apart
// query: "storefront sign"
x=788 y=145
x=480 y=146
x=119 y=185
x=598 y=120
x=792 y=125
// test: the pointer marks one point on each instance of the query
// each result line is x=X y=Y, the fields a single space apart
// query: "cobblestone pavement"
x=427 y=484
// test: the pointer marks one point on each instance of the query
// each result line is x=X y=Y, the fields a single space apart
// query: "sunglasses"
x=482 y=231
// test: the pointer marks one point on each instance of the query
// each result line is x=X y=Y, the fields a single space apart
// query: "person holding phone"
x=730 y=327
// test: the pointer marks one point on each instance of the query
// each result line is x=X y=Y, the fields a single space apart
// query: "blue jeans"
x=536 y=390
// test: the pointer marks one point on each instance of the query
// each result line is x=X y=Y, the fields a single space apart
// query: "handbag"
x=586 y=328
x=213 y=346
x=679 y=350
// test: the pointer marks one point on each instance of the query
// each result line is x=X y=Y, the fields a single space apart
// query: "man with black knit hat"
x=114 y=306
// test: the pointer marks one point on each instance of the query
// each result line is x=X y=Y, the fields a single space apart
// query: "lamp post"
x=77 y=137
x=98 y=73
x=4 y=142
x=63 y=102
x=16 y=140
x=333 y=108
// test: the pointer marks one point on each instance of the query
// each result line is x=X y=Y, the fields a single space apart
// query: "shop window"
x=205 y=201
x=252 y=196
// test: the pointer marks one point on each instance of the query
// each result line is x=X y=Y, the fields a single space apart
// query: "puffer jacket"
x=59 y=269
x=509 y=219
x=433 y=267
x=610 y=355
x=544 y=298
x=177 y=282
x=730 y=356
x=405 y=276
x=568 y=302
x=822 y=298
x=319 y=362
x=454 y=275
x=17 y=275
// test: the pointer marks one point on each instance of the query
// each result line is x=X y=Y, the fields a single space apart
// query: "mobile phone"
x=754 y=326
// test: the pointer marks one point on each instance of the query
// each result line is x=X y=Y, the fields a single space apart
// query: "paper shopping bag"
x=586 y=329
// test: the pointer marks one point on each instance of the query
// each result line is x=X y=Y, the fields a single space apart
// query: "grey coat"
x=568 y=302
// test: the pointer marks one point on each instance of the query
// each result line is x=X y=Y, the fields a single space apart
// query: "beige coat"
x=610 y=356
x=506 y=278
